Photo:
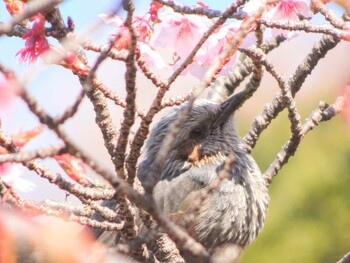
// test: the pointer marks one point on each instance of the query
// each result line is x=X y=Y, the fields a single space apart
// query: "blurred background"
x=309 y=214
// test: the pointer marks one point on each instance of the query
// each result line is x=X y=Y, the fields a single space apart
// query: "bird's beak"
x=228 y=107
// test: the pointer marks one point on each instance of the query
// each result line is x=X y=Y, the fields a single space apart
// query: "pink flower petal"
x=151 y=57
x=179 y=32
x=36 y=43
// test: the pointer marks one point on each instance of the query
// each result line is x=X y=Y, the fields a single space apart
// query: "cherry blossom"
x=143 y=28
x=179 y=33
x=36 y=43
x=141 y=25
x=122 y=35
x=289 y=9
x=11 y=174
x=215 y=45
x=144 y=31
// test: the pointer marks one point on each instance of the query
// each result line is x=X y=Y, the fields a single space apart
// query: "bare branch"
x=103 y=118
x=198 y=10
x=271 y=110
x=319 y=115
x=130 y=82
x=113 y=54
x=26 y=156
x=287 y=98
x=328 y=14
x=304 y=25
x=147 y=71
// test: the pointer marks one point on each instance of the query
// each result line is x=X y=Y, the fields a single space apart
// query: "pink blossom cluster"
x=162 y=30
x=37 y=45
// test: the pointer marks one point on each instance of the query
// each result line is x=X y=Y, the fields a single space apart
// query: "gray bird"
x=234 y=211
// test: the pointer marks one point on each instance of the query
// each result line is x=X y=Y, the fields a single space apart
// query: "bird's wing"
x=172 y=190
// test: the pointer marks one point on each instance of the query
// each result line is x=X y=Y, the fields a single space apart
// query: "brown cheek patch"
x=194 y=155
x=189 y=152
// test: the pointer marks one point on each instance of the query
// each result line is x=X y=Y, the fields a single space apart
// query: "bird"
x=209 y=184
x=234 y=211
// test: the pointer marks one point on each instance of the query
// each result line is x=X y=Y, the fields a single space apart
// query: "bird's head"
x=207 y=132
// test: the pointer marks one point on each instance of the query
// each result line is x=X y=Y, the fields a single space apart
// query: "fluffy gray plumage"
x=235 y=211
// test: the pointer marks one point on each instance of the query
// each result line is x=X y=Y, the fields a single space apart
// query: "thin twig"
x=26 y=156
x=198 y=10
x=147 y=71
x=243 y=69
x=130 y=83
x=103 y=118
x=70 y=111
x=103 y=55
x=113 y=54
x=316 y=117
x=287 y=98
x=177 y=101
x=304 y=25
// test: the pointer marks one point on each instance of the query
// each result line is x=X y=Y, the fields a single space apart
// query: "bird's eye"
x=196 y=133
